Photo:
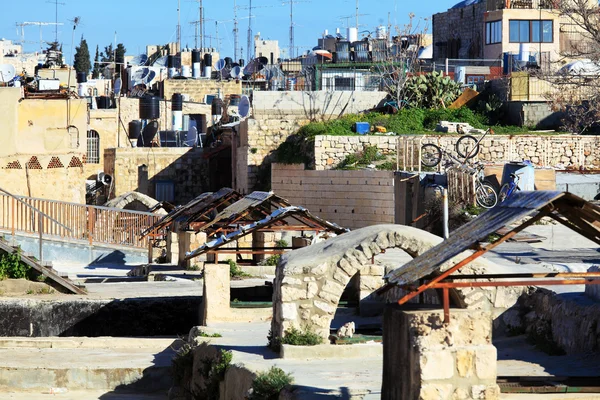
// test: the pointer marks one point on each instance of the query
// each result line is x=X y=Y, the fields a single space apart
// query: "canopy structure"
x=566 y=208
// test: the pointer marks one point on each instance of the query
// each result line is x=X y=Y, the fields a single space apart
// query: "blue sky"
x=141 y=22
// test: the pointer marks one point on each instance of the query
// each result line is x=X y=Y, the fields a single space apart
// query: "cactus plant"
x=433 y=90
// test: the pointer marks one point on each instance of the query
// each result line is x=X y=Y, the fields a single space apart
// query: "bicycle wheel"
x=467 y=146
x=431 y=155
x=504 y=192
x=485 y=195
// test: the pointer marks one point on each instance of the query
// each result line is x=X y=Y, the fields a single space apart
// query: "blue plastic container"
x=362 y=127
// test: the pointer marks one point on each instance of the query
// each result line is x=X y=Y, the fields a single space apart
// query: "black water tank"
x=149 y=107
x=170 y=61
x=208 y=60
x=103 y=102
x=195 y=56
x=228 y=61
x=81 y=77
x=216 y=106
x=135 y=129
x=177 y=102
x=241 y=62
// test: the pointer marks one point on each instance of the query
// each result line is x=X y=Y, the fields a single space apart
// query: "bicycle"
x=467 y=147
x=485 y=194
x=509 y=187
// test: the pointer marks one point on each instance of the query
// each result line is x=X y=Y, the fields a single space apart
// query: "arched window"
x=93 y=147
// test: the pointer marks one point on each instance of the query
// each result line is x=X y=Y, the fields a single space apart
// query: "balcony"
x=493 y=5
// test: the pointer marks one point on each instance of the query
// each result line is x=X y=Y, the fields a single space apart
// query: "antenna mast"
x=179 y=24
x=235 y=31
x=356 y=15
x=249 y=46
x=56 y=4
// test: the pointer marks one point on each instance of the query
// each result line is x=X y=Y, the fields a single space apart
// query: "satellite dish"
x=220 y=64
x=139 y=60
x=161 y=62
x=262 y=60
x=192 y=136
x=118 y=85
x=149 y=77
x=7 y=72
x=244 y=107
x=236 y=72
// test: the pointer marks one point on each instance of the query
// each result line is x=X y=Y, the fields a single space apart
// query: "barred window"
x=93 y=147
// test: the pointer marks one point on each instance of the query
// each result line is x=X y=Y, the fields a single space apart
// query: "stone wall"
x=570 y=323
x=352 y=199
x=542 y=150
x=185 y=167
x=425 y=359
x=593 y=291
x=314 y=105
x=463 y=24
x=60 y=184
x=536 y=114
x=197 y=89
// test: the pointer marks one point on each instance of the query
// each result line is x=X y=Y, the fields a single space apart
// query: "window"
x=531 y=31
x=164 y=191
x=93 y=147
x=493 y=32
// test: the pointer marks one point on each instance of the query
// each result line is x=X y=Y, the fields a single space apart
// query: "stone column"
x=425 y=359
x=172 y=247
x=190 y=241
x=216 y=296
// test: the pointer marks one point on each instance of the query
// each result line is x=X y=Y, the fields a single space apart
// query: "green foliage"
x=268 y=385
x=11 y=267
x=281 y=244
x=82 y=57
x=120 y=53
x=408 y=120
x=367 y=156
x=96 y=68
x=297 y=337
x=235 y=271
x=387 y=166
x=272 y=261
x=463 y=114
x=204 y=334
x=432 y=90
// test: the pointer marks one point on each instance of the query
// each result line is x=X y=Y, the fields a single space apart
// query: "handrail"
x=75 y=222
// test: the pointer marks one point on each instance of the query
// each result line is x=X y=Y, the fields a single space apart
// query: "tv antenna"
x=249 y=44
x=200 y=33
x=56 y=4
x=21 y=30
x=179 y=24
x=291 y=3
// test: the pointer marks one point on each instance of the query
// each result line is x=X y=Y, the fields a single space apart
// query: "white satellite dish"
x=244 y=107
x=7 y=72
x=220 y=64
x=161 y=62
x=118 y=85
x=236 y=72
x=192 y=136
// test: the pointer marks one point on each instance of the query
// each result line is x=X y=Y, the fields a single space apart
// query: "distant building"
x=8 y=48
x=266 y=48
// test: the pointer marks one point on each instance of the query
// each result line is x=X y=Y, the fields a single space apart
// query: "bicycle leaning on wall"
x=509 y=187
x=467 y=147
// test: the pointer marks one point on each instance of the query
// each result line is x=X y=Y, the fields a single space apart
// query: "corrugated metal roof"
x=192 y=210
x=275 y=216
x=517 y=206
x=244 y=204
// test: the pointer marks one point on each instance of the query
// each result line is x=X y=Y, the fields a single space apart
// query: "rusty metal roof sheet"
x=195 y=209
x=517 y=206
x=275 y=216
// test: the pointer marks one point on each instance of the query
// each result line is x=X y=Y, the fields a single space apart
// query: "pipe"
x=445 y=199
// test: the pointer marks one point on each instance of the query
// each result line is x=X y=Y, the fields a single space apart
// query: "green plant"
x=432 y=90
x=223 y=362
x=29 y=291
x=204 y=334
x=367 y=156
x=297 y=337
x=281 y=244
x=272 y=261
x=11 y=266
x=41 y=278
x=193 y=267
x=182 y=363
x=387 y=166
x=235 y=271
x=253 y=150
x=267 y=385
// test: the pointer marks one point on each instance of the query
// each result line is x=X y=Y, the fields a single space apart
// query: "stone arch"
x=310 y=281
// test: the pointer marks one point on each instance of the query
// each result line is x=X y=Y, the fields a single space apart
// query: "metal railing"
x=91 y=224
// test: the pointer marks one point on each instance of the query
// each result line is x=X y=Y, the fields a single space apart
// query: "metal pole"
x=445 y=198
x=446 y=66
x=40 y=227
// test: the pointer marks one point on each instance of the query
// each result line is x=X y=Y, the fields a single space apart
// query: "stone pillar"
x=172 y=248
x=370 y=279
x=190 y=241
x=216 y=296
x=425 y=359
x=264 y=239
x=593 y=291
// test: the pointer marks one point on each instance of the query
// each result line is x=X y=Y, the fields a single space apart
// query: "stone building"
x=266 y=48
x=490 y=29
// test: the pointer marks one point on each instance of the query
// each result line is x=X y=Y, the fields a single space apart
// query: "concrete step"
x=84 y=395
x=101 y=342
x=75 y=366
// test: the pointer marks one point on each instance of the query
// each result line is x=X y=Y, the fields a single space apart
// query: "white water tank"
x=381 y=32
x=352 y=35
x=460 y=74
x=524 y=52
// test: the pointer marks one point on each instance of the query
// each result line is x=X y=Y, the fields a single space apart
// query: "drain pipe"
x=445 y=200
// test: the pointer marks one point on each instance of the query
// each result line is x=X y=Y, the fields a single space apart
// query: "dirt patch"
x=20 y=287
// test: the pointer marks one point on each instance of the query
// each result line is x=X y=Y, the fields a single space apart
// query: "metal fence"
x=92 y=224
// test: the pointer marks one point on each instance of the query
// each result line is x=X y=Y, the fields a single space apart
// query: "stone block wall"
x=423 y=358
x=197 y=89
x=185 y=167
x=352 y=199
x=542 y=150
x=593 y=291
x=537 y=114
x=464 y=24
